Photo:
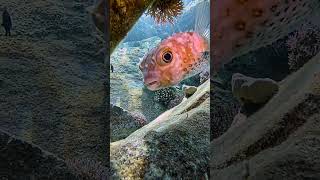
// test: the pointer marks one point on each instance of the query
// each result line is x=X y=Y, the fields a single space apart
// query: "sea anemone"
x=163 y=11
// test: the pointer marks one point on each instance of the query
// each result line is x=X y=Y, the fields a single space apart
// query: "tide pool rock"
x=174 y=145
x=253 y=90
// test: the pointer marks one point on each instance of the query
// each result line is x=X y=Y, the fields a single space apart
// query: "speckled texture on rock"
x=123 y=123
x=280 y=141
x=223 y=108
x=52 y=83
x=21 y=160
x=175 y=145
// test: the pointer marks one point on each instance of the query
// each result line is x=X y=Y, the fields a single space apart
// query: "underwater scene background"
x=126 y=82
x=258 y=117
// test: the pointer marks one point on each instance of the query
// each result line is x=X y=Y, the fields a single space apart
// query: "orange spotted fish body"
x=174 y=59
x=240 y=26
x=180 y=56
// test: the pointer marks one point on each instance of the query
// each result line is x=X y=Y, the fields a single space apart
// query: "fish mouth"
x=153 y=85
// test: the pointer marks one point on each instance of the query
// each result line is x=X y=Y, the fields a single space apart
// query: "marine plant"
x=165 y=11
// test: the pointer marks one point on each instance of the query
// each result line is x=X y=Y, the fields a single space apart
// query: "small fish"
x=180 y=56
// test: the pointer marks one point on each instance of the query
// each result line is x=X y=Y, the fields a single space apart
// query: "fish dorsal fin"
x=202 y=21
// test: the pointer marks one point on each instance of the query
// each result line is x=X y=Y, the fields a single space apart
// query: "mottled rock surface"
x=52 y=84
x=280 y=141
x=123 y=123
x=175 y=145
x=21 y=160
x=239 y=118
x=223 y=108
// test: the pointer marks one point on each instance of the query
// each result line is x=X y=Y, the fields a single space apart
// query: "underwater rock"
x=123 y=123
x=315 y=86
x=223 y=108
x=204 y=76
x=22 y=160
x=238 y=118
x=175 y=145
x=280 y=141
x=53 y=85
x=253 y=90
x=270 y=61
x=87 y=169
x=176 y=101
x=97 y=12
x=189 y=90
x=302 y=45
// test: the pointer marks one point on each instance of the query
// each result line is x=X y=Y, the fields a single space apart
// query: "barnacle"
x=164 y=11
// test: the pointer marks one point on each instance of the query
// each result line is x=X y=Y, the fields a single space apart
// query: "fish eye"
x=167 y=57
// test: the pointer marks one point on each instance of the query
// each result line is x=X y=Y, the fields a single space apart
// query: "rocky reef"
x=52 y=82
x=22 y=160
x=174 y=145
x=280 y=141
x=235 y=108
x=52 y=94
x=123 y=123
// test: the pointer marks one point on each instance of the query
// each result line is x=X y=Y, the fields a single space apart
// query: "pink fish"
x=179 y=56
x=173 y=60
x=238 y=26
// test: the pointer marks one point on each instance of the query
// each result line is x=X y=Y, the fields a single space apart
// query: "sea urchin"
x=164 y=11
